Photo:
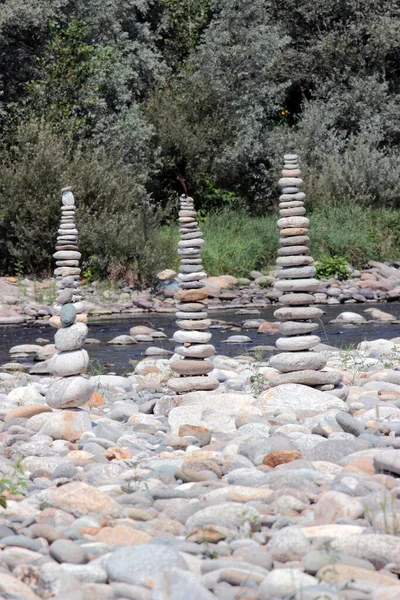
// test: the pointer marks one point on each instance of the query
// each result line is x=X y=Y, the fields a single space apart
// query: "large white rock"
x=379 y=348
x=64 y=364
x=70 y=392
x=215 y=411
x=301 y=342
x=196 y=351
x=66 y=424
x=294 y=397
x=349 y=317
x=192 y=337
x=71 y=338
x=297 y=285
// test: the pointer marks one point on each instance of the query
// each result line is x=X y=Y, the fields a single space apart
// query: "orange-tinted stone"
x=281 y=457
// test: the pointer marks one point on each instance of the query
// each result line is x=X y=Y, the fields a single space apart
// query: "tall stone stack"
x=67 y=256
x=297 y=363
x=195 y=350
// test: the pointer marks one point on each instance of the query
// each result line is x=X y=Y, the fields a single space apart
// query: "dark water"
x=118 y=358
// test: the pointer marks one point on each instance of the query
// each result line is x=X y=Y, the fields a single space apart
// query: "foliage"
x=332 y=266
x=13 y=485
x=120 y=97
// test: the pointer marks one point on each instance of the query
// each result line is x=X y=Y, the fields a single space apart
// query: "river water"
x=117 y=358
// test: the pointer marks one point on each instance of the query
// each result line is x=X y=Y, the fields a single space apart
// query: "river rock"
x=70 y=392
x=71 y=338
x=299 y=397
x=69 y=363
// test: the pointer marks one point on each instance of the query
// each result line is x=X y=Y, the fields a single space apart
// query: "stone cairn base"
x=297 y=363
x=72 y=389
x=192 y=320
x=67 y=256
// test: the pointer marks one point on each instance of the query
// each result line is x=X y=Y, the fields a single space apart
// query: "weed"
x=14 y=484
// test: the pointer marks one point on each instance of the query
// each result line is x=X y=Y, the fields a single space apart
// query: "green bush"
x=332 y=266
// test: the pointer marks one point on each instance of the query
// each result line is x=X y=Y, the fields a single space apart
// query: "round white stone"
x=297 y=285
x=293 y=344
x=196 y=351
x=297 y=272
x=293 y=261
x=192 y=337
x=70 y=392
x=297 y=361
x=68 y=198
x=191 y=315
x=71 y=338
x=65 y=364
x=297 y=327
x=293 y=222
x=293 y=313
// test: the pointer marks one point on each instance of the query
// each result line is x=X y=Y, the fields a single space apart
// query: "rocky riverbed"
x=26 y=301
x=248 y=492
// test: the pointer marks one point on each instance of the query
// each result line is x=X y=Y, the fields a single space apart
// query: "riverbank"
x=23 y=300
x=251 y=491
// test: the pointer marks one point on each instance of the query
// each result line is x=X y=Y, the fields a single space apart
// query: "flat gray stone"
x=138 y=565
x=334 y=450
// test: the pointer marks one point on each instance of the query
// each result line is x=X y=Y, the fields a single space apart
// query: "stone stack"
x=72 y=389
x=297 y=363
x=193 y=366
x=67 y=256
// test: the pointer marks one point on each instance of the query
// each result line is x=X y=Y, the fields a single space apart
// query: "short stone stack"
x=67 y=256
x=297 y=363
x=192 y=320
x=72 y=389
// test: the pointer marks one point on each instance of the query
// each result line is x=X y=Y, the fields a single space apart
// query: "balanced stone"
x=68 y=315
x=191 y=307
x=191 y=315
x=293 y=231
x=294 y=261
x=192 y=337
x=67 y=255
x=297 y=327
x=297 y=299
x=190 y=325
x=196 y=351
x=293 y=222
x=192 y=367
x=294 y=313
x=292 y=212
x=299 y=361
x=189 y=285
x=297 y=272
x=192 y=276
x=310 y=377
x=296 y=343
x=188 y=384
x=70 y=392
x=293 y=250
x=302 y=240
x=71 y=338
x=190 y=268
x=297 y=285
x=65 y=364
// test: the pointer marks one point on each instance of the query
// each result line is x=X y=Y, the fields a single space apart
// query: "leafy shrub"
x=332 y=266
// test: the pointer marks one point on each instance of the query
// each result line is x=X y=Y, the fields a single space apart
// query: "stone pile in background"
x=296 y=282
x=193 y=335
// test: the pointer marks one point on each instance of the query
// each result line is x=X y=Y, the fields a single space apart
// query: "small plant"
x=257 y=379
x=248 y=524
x=95 y=368
x=332 y=266
x=14 y=485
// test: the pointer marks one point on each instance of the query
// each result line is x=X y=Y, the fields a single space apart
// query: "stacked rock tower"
x=67 y=256
x=297 y=363
x=193 y=365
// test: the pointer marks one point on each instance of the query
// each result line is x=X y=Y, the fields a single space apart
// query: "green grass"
x=237 y=243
